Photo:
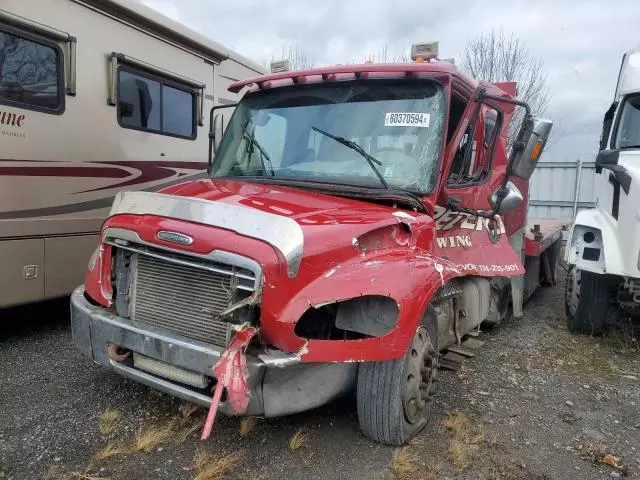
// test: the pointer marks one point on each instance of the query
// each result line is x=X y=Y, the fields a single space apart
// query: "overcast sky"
x=580 y=41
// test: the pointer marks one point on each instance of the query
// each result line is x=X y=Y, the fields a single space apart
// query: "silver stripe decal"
x=226 y=101
x=281 y=232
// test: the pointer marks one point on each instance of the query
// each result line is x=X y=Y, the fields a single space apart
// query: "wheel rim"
x=422 y=369
x=573 y=290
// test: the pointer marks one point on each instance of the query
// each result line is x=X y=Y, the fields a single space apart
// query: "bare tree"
x=384 y=55
x=495 y=57
x=298 y=58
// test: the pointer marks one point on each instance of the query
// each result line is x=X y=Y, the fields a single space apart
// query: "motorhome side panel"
x=59 y=171
x=229 y=71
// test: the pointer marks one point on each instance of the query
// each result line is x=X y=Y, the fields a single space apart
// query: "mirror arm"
x=454 y=205
x=212 y=133
x=502 y=191
x=517 y=146
x=512 y=101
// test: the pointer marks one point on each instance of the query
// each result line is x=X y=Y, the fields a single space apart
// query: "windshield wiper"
x=252 y=142
x=354 y=146
x=414 y=200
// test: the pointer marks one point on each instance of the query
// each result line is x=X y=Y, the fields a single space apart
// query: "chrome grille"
x=184 y=298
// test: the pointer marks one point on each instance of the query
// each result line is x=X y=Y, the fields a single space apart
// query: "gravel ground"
x=534 y=403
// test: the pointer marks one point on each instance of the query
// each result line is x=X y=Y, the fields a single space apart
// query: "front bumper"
x=279 y=383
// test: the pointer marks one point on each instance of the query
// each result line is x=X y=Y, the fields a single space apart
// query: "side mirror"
x=506 y=198
x=217 y=129
x=531 y=140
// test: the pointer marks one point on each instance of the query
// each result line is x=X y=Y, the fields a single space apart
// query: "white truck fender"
x=593 y=244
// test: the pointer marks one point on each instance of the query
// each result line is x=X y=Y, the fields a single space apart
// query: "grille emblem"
x=174 y=237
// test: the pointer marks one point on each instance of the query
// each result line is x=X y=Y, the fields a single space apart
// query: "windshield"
x=628 y=131
x=346 y=133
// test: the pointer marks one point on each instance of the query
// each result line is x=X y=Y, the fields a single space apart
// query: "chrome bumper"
x=279 y=383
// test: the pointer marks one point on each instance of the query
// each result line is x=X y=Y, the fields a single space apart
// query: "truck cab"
x=356 y=221
x=604 y=246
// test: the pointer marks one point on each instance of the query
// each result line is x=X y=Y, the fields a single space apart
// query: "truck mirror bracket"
x=212 y=132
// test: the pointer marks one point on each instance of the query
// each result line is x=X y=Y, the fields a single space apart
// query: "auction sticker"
x=407 y=119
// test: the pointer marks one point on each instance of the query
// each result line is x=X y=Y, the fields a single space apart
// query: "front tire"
x=394 y=396
x=587 y=301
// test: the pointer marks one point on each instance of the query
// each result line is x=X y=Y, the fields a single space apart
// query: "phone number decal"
x=472 y=267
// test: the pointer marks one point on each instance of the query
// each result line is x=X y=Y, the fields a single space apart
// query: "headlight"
x=93 y=259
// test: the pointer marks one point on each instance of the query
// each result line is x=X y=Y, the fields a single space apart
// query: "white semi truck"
x=603 y=251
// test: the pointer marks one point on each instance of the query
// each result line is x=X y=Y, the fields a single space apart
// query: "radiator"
x=183 y=298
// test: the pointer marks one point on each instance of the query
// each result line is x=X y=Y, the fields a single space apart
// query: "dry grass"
x=181 y=434
x=606 y=357
x=86 y=475
x=417 y=440
x=58 y=473
x=147 y=439
x=246 y=425
x=579 y=355
x=109 y=421
x=210 y=467
x=405 y=465
x=111 y=450
x=466 y=439
x=599 y=454
x=306 y=461
x=433 y=471
x=188 y=409
x=298 y=440
x=625 y=338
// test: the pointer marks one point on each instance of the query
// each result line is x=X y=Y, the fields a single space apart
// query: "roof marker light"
x=280 y=66
x=421 y=52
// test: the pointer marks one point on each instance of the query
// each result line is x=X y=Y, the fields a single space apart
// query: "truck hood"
x=328 y=222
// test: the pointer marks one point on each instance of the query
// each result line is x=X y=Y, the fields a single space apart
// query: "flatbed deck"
x=541 y=233
x=542 y=247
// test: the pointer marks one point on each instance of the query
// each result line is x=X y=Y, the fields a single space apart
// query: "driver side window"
x=472 y=158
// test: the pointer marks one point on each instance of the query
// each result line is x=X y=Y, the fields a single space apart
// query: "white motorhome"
x=604 y=247
x=95 y=96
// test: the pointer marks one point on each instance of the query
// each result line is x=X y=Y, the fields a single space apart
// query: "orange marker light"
x=535 y=153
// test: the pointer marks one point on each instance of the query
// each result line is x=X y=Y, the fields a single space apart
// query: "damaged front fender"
x=408 y=278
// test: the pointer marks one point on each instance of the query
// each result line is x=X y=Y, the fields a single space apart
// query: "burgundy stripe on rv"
x=102 y=172
x=148 y=172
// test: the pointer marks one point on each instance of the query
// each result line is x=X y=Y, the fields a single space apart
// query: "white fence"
x=560 y=189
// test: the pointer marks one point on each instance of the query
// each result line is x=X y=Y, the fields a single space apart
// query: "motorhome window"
x=628 y=129
x=154 y=105
x=31 y=73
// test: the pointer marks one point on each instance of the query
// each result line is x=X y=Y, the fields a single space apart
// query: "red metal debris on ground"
x=231 y=372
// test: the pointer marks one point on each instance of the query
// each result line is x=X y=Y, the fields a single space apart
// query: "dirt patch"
x=534 y=403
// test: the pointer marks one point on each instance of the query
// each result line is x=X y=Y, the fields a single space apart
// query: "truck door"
x=477 y=165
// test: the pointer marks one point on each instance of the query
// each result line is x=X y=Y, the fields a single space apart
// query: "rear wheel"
x=394 y=396
x=587 y=301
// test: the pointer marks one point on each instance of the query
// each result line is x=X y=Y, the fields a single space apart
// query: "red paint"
x=332 y=73
x=231 y=374
x=354 y=247
x=550 y=231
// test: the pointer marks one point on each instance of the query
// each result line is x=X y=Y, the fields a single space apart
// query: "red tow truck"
x=356 y=221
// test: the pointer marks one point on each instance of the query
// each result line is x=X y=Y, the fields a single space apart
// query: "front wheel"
x=394 y=396
x=587 y=300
